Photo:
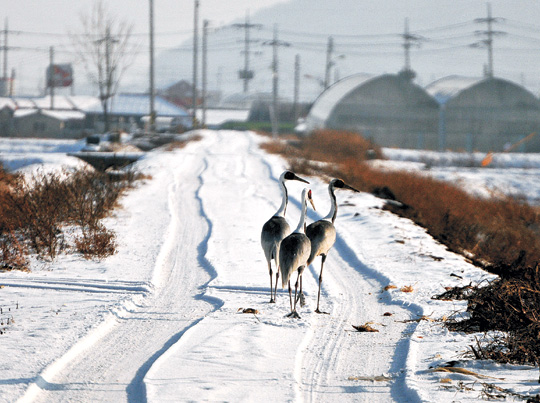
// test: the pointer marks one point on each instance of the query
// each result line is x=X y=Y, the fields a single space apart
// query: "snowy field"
x=162 y=320
x=512 y=174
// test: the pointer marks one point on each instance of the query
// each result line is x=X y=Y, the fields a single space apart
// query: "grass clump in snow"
x=40 y=214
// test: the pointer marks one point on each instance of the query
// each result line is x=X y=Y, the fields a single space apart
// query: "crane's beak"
x=311 y=200
x=296 y=177
x=351 y=188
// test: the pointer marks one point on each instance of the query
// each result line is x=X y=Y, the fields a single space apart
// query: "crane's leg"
x=301 y=297
x=290 y=296
x=323 y=258
x=293 y=313
x=272 y=300
x=296 y=290
x=275 y=288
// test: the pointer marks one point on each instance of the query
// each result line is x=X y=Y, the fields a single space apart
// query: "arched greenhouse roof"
x=326 y=102
x=480 y=92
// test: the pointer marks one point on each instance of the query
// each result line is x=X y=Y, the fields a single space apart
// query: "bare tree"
x=104 y=48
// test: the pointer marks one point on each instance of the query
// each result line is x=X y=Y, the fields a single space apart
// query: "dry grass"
x=178 y=144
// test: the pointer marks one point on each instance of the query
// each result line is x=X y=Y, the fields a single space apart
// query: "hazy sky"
x=38 y=24
x=367 y=36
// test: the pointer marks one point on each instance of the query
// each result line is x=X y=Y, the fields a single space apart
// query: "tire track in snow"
x=114 y=366
x=229 y=355
x=91 y=286
x=350 y=292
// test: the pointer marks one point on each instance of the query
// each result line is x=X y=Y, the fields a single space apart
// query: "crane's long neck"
x=333 y=209
x=284 y=200
x=302 y=222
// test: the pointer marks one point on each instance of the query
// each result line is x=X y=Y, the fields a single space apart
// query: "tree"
x=104 y=48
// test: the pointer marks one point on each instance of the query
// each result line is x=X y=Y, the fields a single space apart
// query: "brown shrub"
x=12 y=252
x=96 y=242
x=38 y=208
x=90 y=195
x=338 y=146
x=34 y=212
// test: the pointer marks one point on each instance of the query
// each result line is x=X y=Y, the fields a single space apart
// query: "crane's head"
x=339 y=184
x=311 y=199
x=291 y=176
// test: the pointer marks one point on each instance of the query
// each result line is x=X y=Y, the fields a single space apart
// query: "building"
x=46 y=123
x=7 y=110
x=485 y=114
x=128 y=110
x=79 y=116
x=389 y=109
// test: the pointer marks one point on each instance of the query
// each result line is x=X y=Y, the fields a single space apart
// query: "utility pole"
x=219 y=79
x=195 y=64
x=50 y=79
x=329 y=62
x=274 y=111
x=247 y=74
x=12 y=83
x=296 y=104
x=408 y=41
x=204 y=70
x=488 y=41
x=4 y=88
x=152 y=120
x=5 y=50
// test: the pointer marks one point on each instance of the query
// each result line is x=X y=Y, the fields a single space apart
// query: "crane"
x=294 y=253
x=322 y=233
x=275 y=229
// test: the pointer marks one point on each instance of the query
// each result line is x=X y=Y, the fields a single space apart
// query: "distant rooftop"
x=121 y=104
x=139 y=105
x=448 y=87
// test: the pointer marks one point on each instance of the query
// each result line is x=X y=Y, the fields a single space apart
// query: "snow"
x=217 y=117
x=512 y=174
x=162 y=320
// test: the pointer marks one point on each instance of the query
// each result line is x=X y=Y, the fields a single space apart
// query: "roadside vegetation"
x=50 y=213
x=501 y=235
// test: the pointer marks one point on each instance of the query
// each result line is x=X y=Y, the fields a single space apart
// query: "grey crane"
x=275 y=229
x=294 y=253
x=322 y=233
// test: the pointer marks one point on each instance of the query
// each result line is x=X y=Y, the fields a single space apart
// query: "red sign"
x=62 y=75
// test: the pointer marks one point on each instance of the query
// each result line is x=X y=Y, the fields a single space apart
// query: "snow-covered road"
x=112 y=367
x=190 y=261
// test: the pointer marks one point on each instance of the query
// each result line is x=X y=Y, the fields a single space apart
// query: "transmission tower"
x=488 y=35
x=409 y=40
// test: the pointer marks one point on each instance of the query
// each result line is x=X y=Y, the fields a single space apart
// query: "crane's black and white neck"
x=335 y=184
x=306 y=196
x=286 y=176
